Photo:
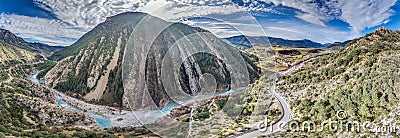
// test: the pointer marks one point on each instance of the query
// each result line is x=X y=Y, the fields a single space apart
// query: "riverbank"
x=117 y=118
x=126 y=118
x=108 y=117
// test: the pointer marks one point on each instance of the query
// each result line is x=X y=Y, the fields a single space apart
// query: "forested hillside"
x=362 y=80
x=10 y=54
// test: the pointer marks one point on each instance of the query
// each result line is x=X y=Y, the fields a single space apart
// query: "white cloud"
x=311 y=18
x=366 y=13
x=313 y=13
x=87 y=13
x=227 y=29
x=175 y=11
x=359 y=14
x=294 y=31
x=52 y=32
x=78 y=16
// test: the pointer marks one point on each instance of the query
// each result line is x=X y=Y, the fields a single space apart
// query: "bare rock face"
x=58 y=73
x=137 y=61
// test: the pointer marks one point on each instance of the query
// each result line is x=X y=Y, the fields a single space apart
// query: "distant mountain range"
x=337 y=45
x=246 y=42
x=9 y=38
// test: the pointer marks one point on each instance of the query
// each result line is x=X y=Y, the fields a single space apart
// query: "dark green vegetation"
x=3 y=73
x=29 y=110
x=208 y=64
x=362 y=79
x=44 y=68
x=291 y=52
x=83 y=65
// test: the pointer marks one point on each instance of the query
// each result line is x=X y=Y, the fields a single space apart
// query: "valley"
x=277 y=59
x=108 y=117
x=138 y=75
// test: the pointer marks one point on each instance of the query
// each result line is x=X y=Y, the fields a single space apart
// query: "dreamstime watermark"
x=339 y=125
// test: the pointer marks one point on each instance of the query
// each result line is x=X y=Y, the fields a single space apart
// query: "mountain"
x=122 y=59
x=8 y=37
x=10 y=54
x=361 y=80
x=337 y=45
x=246 y=42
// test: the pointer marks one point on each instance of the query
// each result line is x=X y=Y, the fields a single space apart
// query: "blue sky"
x=63 y=22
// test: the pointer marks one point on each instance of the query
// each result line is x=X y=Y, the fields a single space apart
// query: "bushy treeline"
x=362 y=79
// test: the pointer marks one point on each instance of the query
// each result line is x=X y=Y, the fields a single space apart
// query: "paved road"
x=276 y=127
x=10 y=77
x=285 y=118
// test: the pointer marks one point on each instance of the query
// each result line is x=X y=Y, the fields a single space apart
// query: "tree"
x=364 y=111
x=346 y=77
x=2 y=135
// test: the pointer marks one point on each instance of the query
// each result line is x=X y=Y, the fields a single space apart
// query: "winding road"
x=275 y=127
x=10 y=78
x=285 y=118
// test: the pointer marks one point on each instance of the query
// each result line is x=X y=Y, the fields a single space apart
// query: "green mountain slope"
x=9 y=38
x=92 y=67
x=361 y=80
x=10 y=54
x=30 y=110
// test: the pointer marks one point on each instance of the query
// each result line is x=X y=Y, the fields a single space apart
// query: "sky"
x=63 y=22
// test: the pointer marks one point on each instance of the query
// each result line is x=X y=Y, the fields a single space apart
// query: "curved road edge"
x=275 y=127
